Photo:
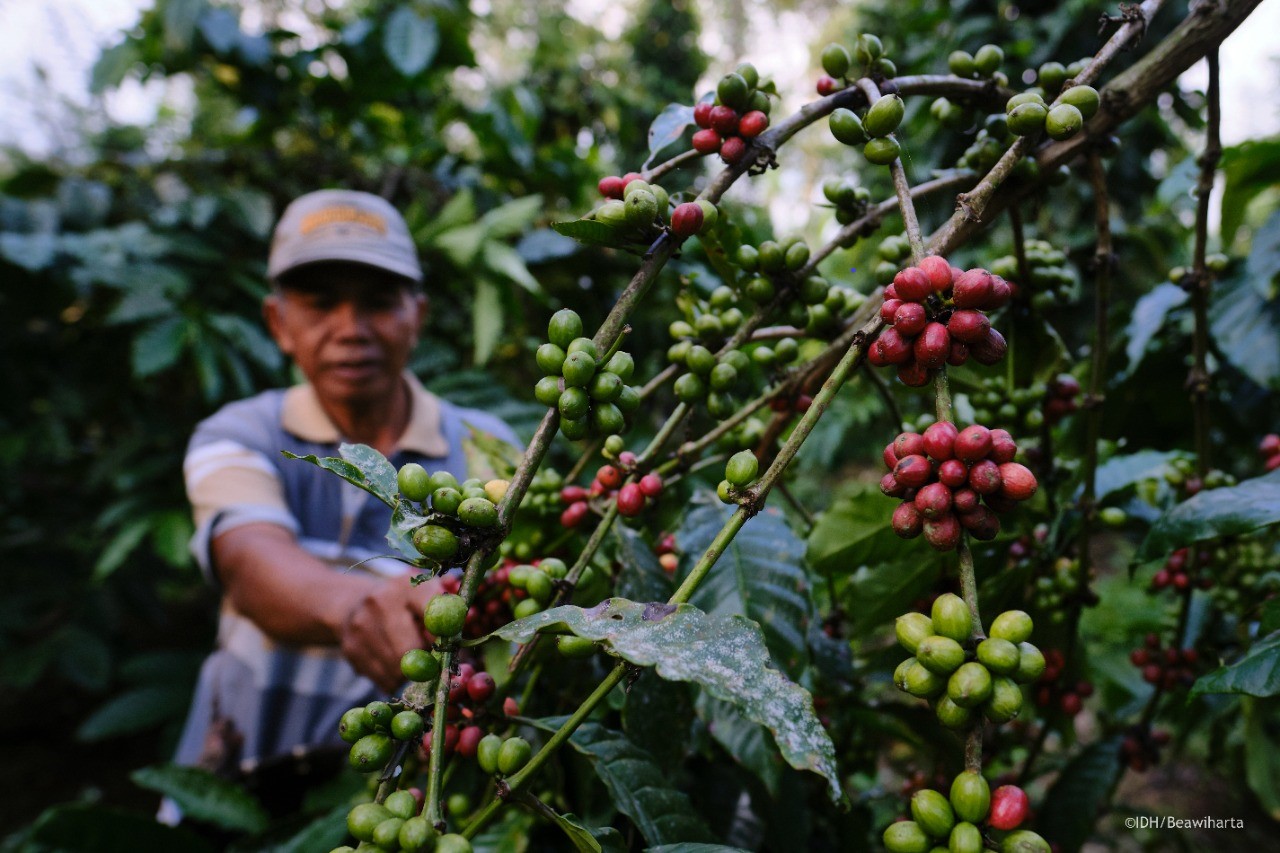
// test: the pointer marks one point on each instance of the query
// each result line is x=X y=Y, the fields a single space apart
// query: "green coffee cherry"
x=526 y=608
x=797 y=256
x=951 y=715
x=401 y=804
x=919 y=681
x=846 y=127
x=1024 y=841
x=621 y=365
x=1083 y=98
x=371 y=753
x=487 y=752
x=1031 y=664
x=741 y=468
x=547 y=391
x=970 y=685
x=911 y=628
x=988 y=59
x=835 y=60
x=732 y=90
x=414 y=482
x=453 y=843
x=565 y=325
x=416 y=835
x=478 y=512
x=940 y=655
x=420 y=665
x=882 y=151
x=363 y=819
x=884 y=116
x=445 y=615
x=933 y=813
x=1051 y=76
x=435 y=542
x=387 y=834
x=971 y=796
x=999 y=656
x=962 y=64
x=642 y=208
x=951 y=617
x=574 y=403
x=965 y=838
x=514 y=754
x=575 y=647
x=1005 y=702
x=407 y=725
x=1012 y=625
x=578 y=368
x=906 y=836
x=1063 y=122
x=689 y=388
x=1027 y=119
x=550 y=359
x=354 y=725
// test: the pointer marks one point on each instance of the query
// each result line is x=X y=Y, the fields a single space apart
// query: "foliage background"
x=133 y=269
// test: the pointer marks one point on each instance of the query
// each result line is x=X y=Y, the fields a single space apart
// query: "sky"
x=63 y=37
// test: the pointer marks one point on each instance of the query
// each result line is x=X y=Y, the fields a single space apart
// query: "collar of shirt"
x=302 y=416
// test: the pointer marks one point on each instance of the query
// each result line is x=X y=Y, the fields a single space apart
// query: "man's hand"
x=384 y=624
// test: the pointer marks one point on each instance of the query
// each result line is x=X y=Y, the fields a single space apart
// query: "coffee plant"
x=624 y=602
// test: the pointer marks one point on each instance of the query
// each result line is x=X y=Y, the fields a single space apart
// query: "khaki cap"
x=343 y=225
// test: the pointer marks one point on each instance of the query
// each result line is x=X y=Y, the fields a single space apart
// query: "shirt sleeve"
x=231 y=481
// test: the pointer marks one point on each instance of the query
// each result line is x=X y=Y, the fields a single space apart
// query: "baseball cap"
x=343 y=225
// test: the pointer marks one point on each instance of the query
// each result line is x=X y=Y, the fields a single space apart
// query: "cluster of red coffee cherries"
x=1053 y=691
x=1140 y=747
x=935 y=314
x=631 y=498
x=1176 y=574
x=1062 y=398
x=469 y=690
x=952 y=480
x=1269 y=449
x=1167 y=668
x=723 y=130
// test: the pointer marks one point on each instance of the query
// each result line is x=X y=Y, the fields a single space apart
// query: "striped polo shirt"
x=272 y=698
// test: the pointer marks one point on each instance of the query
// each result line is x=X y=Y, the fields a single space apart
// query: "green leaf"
x=248 y=338
x=1148 y=318
x=1071 y=806
x=204 y=797
x=1249 y=169
x=726 y=656
x=1262 y=753
x=1230 y=511
x=112 y=66
x=85 y=828
x=761 y=575
x=639 y=788
x=120 y=547
x=459 y=210
x=361 y=466
x=656 y=717
x=462 y=244
x=1263 y=266
x=1246 y=329
x=505 y=261
x=404 y=520
x=592 y=233
x=746 y=742
x=669 y=126
x=876 y=596
x=158 y=347
x=854 y=532
x=1257 y=673
x=323 y=833
x=134 y=711
x=85 y=659
x=486 y=319
x=512 y=218
x=410 y=41
x=251 y=209
x=1122 y=472
x=579 y=836
x=508 y=834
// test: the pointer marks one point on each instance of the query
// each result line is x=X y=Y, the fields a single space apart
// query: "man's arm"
x=296 y=598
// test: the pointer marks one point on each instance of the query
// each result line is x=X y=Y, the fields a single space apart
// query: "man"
x=301 y=638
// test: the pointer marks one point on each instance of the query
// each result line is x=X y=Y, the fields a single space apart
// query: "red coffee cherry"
x=889 y=310
x=959 y=353
x=651 y=485
x=890 y=458
x=953 y=473
x=895 y=348
x=724 y=120
x=1001 y=293
x=938 y=272
x=965 y=501
x=469 y=741
x=1003 y=448
x=910 y=318
x=912 y=285
x=968 y=326
x=932 y=346
x=480 y=687
x=574 y=514
x=611 y=187
x=1017 y=481
x=1009 y=807
x=827 y=86
x=973 y=443
x=933 y=501
x=908 y=444
x=573 y=494
x=940 y=440
x=913 y=471
x=972 y=289
x=706 y=141
x=753 y=124
x=942 y=534
x=630 y=500
x=891 y=487
x=982 y=523
x=702 y=114
x=733 y=150
x=984 y=477
x=686 y=219
x=907 y=521
x=609 y=477
x=990 y=349
x=913 y=374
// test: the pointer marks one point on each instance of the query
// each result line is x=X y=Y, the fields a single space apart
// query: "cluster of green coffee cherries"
x=591 y=393
x=960 y=680
x=866 y=58
x=472 y=503
x=953 y=824
x=540 y=582
x=715 y=380
x=819 y=304
x=873 y=131
x=848 y=198
x=893 y=252
x=395 y=824
x=637 y=208
x=1053 y=281
x=1028 y=114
